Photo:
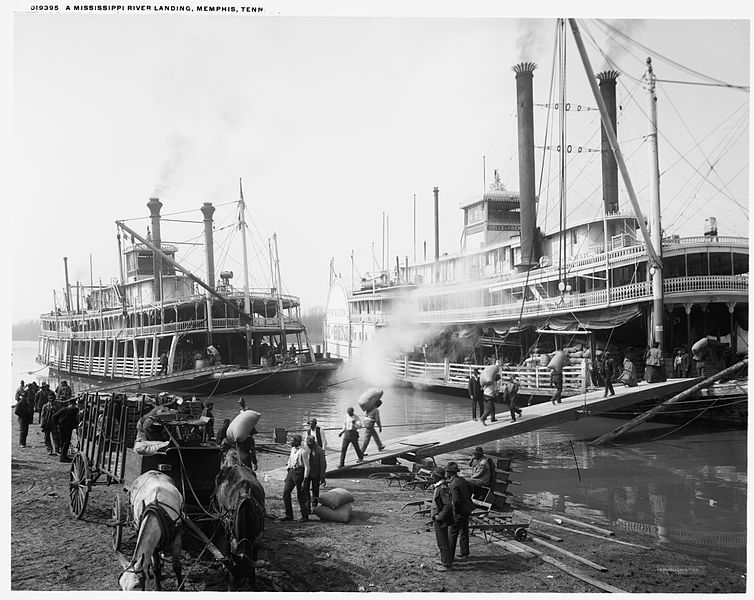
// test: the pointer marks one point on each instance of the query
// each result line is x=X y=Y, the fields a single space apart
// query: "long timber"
x=474 y=433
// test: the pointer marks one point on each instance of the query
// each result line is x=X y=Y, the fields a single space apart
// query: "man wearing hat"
x=67 y=419
x=317 y=433
x=460 y=497
x=475 y=393
x=481 y=471
x=298 y=472
x=608 y=372
x=511 y=391
x=441 y=513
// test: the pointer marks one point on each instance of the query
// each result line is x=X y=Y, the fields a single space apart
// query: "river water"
x=685 y=488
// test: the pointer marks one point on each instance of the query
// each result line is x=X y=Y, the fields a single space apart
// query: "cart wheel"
x=520 y=534
x=79 y=486
x=118 y=521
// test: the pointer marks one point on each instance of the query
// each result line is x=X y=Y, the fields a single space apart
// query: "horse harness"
x=168 y=528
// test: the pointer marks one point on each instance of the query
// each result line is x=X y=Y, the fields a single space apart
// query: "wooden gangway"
x=538 y=416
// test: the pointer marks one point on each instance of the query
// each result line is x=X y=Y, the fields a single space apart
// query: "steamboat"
x=160 y=326
x=517 y=289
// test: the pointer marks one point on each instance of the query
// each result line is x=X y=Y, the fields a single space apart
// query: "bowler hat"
x=451 y=467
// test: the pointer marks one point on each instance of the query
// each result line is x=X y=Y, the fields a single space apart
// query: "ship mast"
x=655 y=225
x=246 y=296
x=280 y=297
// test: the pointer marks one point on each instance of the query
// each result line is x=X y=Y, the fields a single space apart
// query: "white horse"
x=157 y=507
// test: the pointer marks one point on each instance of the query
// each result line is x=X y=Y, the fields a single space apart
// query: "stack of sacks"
x=335 y=505
x=240 y=427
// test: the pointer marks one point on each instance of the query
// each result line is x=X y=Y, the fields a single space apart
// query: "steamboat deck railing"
x=66 y=331
x=532 y=380
x=625 y=294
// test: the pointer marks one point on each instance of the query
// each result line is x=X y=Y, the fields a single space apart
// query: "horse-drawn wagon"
x=158 y=450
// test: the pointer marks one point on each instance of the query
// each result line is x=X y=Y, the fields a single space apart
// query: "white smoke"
x=173 y=166
x=616 y=46
x=403 y=334
x=530 y=40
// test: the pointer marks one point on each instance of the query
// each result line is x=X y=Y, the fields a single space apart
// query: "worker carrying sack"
x=368 y=399
x=240 y=428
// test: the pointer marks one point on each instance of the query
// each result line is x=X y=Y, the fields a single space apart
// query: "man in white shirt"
x=350 y=434
x=298 y=470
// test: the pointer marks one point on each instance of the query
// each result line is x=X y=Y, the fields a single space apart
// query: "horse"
x=157 y=507
x=239 y=498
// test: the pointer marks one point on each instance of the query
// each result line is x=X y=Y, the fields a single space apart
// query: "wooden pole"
x=612 y=435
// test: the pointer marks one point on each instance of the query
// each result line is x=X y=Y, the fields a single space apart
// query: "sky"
x=334 y=122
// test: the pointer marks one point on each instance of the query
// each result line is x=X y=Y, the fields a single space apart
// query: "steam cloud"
x=173 y=165
x=402 y=335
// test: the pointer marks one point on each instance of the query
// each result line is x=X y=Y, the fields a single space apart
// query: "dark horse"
x=240 y=501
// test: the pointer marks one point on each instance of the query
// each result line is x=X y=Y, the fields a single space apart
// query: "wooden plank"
x=625 y=427
x=472 y=433
x=547 y=536
x=587 y=525
x=565 y=552
x=594 y=535
x=605 y=587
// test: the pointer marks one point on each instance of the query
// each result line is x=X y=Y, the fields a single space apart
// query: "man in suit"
x=460 y=496
x=475 y=393
x=441 y=513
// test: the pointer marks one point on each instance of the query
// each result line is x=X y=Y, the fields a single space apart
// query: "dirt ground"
x=382 y=549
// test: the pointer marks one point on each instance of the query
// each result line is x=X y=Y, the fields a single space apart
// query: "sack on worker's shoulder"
x=335 y=498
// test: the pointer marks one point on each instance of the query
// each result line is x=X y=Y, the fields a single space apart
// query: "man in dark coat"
x=64 y=391
x=40 y=399
x=52 y=437
x=25 y=413
x=67 y=419
x=441 y=512
x=317 y=470
x=476 y=395
x=20 y=390
x=608 y=372
x=460 y=495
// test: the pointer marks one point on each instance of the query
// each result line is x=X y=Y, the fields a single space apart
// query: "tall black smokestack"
x=526 y=175
x=208 y=210
x=607 y=81
x=154 y=206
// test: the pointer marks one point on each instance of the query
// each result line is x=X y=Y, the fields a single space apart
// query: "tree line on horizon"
x=313 y=319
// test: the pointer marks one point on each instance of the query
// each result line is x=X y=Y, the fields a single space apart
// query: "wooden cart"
x=107 y=433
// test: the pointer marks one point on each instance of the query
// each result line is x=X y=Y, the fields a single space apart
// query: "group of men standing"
x=483 y=397
x=307 y=466
x=450 y=511
x=58 y=415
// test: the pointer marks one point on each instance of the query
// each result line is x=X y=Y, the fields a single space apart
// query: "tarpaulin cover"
x=605 y=318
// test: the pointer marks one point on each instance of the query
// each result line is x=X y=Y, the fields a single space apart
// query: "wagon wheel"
x=520 y=534
x=79 y=485
x=118 y=522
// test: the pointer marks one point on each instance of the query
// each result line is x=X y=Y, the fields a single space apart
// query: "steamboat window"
x=740 y=264
x=720 y=263
x=696 y=264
